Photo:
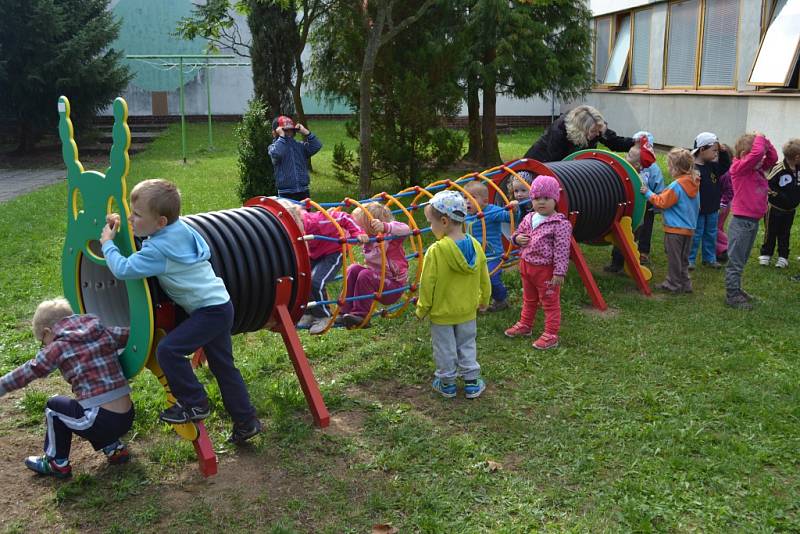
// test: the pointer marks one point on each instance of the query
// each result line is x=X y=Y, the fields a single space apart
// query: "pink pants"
x=364 y=281
x=536 y=289
x=722 y=237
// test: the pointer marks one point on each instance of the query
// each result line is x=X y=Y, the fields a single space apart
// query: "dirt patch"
x=610 y=313
x=346 y=423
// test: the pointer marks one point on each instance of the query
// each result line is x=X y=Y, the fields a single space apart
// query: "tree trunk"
x=474 y=119
x=25 y=138
x=491 y=151
x=298 y=84
x=365 y=101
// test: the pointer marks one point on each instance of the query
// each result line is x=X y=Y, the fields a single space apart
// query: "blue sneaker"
x=474 y=388
x=445 y=390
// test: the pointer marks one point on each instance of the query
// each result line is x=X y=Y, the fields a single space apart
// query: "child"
x=365 y=279
x=680 y=203
x=711 y=161
x=521 y=193
x=326 y=258
x=544 y=236
x=654 y=179
x=177 y=256
x=86 y=354
x=493 y=216
x=754 y=154
x=454 y=284
x=290 y=157
x=725 y=199
x=784 y=196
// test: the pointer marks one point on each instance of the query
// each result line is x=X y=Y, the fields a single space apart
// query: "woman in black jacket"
x=581 y=128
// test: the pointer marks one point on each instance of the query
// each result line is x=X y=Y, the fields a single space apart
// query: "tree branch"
x=405 y=23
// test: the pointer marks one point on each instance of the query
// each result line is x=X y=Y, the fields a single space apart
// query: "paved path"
x=16 y=182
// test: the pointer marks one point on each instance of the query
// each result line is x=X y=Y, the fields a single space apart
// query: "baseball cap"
x=283 y=122
x=703 y=140
x=451 y=204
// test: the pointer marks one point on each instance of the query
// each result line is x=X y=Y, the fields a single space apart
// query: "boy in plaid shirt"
x=86 y=353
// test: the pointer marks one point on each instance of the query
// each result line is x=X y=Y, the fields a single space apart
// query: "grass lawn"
x=662 y=414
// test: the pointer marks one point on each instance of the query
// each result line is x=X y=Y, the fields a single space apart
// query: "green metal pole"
x=208 y=95
x=183 y=117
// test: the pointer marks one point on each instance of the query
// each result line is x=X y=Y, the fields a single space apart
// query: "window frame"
x=611 y=33
x=767 y=11
x=633 y=44
x=616 y=19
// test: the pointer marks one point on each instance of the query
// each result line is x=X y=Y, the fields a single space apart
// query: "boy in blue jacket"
x=290 y=157
x=493 y=216
x=177 y=255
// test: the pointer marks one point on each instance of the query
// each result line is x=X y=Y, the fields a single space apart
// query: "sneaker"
x=795 y=278
x=117 y=453
x=352 y=320
x=764 y=260
x=546 y=341
x=644 y=259
x=445 y=390
x=517 y=330
x=712 y=264
x=243 y=431
x=44 y=465
x=664 y=286
x=497 y=305
x=747 y=296
x=782 y=263
x=318 y=326
x=691 y=266
x=474 y=388
x=613 y=268
x=723 y=258
x=178 y=414
x=305 y=321
x=738 y=301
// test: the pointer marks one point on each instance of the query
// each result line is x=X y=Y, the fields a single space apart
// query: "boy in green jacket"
x=454 y=285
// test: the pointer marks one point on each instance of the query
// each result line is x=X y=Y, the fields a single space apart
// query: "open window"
x=602 y=44
x=618 y=64
x=776 y=60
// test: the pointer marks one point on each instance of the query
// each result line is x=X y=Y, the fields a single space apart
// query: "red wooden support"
x=631 y=258
x=586 y=275
x=205 y=451
x=284 y=324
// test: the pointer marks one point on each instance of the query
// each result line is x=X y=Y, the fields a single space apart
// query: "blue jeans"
x=706 y=231
x=499 y=291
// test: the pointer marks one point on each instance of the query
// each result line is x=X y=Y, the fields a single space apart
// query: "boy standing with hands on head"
x=711 y=161
x=290 y=157
x=454 y=284
x=177 y=255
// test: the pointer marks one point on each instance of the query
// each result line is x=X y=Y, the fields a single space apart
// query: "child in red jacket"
x=544 y=238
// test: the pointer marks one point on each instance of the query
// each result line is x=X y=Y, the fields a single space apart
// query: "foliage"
x=256 y=173
x=274 y=36
x=52 y=48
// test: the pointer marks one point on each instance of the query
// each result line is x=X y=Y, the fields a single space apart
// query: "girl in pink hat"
x=544 y=238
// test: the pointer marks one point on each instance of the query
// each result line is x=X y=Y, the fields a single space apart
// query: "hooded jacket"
x=396 y=262
x=784 y=187
x=681 y=204
x=554 y=145
x=86 y=353
x=289 y=159
x=750 y=186
x=451 y=288
x=178 y=256
x=549 y=241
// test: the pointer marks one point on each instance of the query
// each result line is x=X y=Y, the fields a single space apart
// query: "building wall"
x=676 y=116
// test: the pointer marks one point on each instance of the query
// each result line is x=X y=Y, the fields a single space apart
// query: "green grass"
x=664 y=414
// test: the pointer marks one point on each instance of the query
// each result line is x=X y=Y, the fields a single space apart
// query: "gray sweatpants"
x=455 y=351
x=677 y=247
x=742 y=232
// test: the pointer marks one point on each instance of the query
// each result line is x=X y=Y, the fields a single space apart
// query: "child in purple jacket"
x=724 y=210
x=544 y=238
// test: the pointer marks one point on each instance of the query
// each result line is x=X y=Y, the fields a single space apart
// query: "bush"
x=256 y=174
x=345 y=167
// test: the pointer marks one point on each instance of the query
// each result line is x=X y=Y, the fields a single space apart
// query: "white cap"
x=704 y=139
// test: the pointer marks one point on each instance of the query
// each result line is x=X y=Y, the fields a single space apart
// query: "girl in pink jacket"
x=365 y=279
x=544 y=238
x=754 y=156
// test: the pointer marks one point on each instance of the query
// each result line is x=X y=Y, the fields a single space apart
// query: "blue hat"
x=451 y=204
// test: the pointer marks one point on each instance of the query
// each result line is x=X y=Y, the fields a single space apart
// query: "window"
x=682 y=43
x=777 y=55
x=640 y=56
x=618 y=64
x=602 y=43
x=720 y=28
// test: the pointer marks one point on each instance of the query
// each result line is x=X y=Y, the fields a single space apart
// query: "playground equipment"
x=260 y=253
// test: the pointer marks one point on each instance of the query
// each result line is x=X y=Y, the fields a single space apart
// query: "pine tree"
x=52 y=48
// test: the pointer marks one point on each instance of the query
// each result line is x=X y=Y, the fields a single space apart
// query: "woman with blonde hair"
x=580 y=128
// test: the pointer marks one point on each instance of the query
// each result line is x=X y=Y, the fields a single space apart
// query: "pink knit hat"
x=545 y=186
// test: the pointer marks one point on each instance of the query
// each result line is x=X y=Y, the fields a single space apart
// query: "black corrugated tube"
x=594 y=190
x=250 y=250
